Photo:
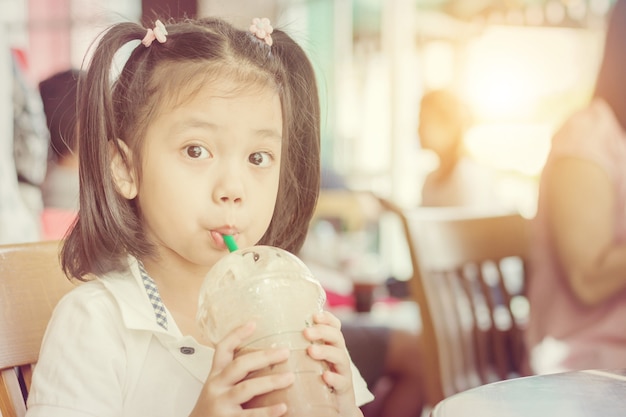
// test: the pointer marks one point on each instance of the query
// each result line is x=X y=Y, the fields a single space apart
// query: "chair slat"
x=458 y=260
x=11 y=401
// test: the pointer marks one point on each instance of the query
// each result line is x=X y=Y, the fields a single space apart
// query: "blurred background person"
x=577 y=287
x=23 y=150
x=457 y=180
x=61 y=186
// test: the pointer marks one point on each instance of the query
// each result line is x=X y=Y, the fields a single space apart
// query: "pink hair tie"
x=262 y=29
x=159 y=33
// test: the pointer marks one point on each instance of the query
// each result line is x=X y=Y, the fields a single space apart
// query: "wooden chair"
x=468 y=279
x=31 y=283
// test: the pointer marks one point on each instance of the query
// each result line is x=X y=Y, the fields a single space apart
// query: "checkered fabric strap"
x=155 y=298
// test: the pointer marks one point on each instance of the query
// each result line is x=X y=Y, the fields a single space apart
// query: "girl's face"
x=211 y=166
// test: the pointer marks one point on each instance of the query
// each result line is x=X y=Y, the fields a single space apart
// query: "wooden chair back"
x=31 y=284
x=468 y=279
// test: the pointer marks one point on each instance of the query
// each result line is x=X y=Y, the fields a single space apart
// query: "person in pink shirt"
x=577 y=283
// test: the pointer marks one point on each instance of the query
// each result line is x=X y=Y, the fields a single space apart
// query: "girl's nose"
x=230 y=198
x=229 y=190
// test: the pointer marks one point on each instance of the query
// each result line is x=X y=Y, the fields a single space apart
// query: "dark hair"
x=610 y=81
x=196 y=51
x=58 y=94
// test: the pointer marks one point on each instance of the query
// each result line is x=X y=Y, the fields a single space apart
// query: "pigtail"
x=97 y=243
x=301 y=161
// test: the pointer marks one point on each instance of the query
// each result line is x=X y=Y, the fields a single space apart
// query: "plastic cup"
x=276 y=290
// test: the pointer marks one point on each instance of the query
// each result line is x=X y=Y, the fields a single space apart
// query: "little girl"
x=206 y=131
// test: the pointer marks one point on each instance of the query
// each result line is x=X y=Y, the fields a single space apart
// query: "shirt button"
x=186 y=350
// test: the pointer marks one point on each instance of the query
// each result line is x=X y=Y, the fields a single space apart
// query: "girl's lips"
x=218 y=237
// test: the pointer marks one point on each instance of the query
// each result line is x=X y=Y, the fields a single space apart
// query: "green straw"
x=230 y=243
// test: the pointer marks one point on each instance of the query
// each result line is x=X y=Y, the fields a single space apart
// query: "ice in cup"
x=275 y=289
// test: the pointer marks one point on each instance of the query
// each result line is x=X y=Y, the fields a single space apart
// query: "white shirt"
x=105 y=355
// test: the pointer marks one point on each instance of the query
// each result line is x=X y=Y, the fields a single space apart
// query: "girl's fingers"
x=326 y=333
x=271 y=411
x=247 y=363
x=326 y=317
x=248 y=375
x=250 y=388
x=337 y=357
x=231 y=367
x=339 y=383
x=225 y=350
x=329 y=345
x=339 y=374
x=223 y=398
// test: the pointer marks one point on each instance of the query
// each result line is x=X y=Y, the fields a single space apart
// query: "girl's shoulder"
x=86 y=299
x=120 y=297
x=97 y=294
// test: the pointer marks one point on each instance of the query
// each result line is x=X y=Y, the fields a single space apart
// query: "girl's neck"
x=179 y=289
x=176 y=273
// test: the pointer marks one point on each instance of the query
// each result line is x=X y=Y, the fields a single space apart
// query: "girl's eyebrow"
x=180 y=126
x=270 y=134
x=193 y=123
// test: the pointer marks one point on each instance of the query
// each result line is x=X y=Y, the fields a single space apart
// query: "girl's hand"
x=225 y=389
x=330 y=346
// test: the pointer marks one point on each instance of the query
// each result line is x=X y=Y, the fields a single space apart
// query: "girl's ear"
x=122 y=170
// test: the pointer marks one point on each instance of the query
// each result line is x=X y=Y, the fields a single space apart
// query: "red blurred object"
x=21 y=58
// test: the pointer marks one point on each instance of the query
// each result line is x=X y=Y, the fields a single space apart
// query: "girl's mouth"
x=218 y=238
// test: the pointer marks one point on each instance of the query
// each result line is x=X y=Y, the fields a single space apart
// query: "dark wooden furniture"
x=469 y=277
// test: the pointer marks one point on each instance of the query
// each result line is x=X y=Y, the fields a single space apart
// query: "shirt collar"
x=153 y=294
x=140 y=304
x=139 y=300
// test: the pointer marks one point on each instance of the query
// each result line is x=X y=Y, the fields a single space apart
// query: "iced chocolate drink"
x=276 y=290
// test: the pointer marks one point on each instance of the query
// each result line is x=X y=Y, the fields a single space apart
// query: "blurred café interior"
x=521 y=67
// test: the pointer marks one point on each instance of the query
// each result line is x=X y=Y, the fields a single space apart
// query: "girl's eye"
x=197 y=152
x=261 y=159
